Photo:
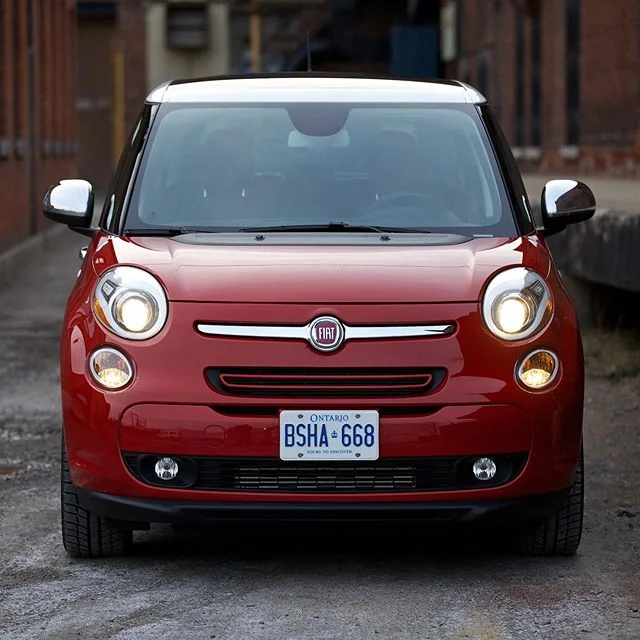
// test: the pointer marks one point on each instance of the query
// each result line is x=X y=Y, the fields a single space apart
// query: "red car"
x=319 y=297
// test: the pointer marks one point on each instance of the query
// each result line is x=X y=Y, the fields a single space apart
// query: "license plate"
x=329 y=435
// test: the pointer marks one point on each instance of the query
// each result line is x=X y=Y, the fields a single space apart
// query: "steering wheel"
x=404 y=199
x=437 y=212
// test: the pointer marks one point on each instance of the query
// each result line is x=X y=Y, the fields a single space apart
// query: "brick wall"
x=33 y=158
x=603 y=135
x=112 y=82
x=131 y=28
x=610 y=77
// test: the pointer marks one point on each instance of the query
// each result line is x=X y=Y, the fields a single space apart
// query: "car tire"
x=84 y=534
x=559 y=534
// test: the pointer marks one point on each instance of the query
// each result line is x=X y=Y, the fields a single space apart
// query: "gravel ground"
x=281 y=585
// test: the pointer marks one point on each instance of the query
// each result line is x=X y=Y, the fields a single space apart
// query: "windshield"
x=230 y=168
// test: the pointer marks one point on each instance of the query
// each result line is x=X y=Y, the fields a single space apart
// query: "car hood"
x=322 y=274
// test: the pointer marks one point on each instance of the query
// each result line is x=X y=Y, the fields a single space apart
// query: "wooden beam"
x=256 y=38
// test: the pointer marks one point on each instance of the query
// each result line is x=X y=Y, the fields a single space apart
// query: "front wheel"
x=559 y=534
x=85 y=534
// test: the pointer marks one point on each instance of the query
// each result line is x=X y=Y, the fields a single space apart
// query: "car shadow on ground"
x=331 y=546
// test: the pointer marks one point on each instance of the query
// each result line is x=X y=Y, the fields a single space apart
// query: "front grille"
x=274 y=475
x=325 y=383
x=269 y=411
x=335 y=477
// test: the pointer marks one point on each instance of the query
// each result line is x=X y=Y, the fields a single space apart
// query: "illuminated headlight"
x=131 y=303
x=538 y=369
x=517 y=304
x=513 y=313
x=135 y=311
x=110 y=368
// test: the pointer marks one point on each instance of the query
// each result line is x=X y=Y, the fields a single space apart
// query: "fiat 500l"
x=324 y=298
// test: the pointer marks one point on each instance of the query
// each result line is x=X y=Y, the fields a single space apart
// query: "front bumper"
x=143 y=511
x=171 y=408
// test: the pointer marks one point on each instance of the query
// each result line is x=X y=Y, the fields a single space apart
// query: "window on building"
x=96 y=9
x=572 y=80
x=188 y=26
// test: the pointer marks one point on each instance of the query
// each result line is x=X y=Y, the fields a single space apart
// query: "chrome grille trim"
x=304 y=333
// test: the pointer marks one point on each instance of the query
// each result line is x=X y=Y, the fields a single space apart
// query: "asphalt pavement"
x=293 y=585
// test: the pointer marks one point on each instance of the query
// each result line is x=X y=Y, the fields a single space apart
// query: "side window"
x=124 y=174
x=488 y=207
x=109 y=207
x=513 y=178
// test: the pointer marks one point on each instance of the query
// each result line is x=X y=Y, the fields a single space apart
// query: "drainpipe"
x=31 y=115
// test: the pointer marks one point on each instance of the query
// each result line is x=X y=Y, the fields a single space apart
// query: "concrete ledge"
x=604 y=251
x=29 y=252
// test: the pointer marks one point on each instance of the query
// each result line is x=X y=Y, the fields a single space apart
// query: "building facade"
x=563 y=77
x=186 y=40
x=37 y=109
x=112 y=82
x=127 y=47
x=375 y=36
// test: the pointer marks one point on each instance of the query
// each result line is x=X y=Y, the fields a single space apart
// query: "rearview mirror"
x=70 y=202
x=566 y=202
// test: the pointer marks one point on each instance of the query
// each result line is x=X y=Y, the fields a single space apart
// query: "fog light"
x=110 y=368
x=484 y=468
x=538 y=369
x=166 y=468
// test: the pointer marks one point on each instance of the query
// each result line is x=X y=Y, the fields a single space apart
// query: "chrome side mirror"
x=70 y=202
x=566 y=202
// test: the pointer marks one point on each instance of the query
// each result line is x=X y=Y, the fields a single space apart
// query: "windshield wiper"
x=165 y=232
x=334 y=226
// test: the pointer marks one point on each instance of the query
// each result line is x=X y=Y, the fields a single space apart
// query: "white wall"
x=167 y=64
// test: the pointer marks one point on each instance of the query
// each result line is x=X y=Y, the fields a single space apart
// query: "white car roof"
x=283 y=88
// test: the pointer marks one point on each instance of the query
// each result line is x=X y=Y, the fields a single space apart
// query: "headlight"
x=517 y=304
x=131 y=303
x=135 y=311
x=513 y=312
